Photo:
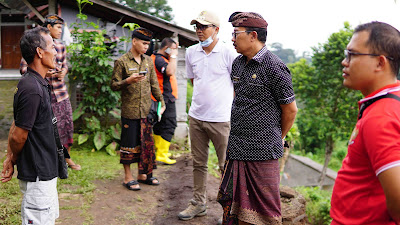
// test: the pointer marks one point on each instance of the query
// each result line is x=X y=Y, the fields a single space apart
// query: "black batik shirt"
x=261 y=86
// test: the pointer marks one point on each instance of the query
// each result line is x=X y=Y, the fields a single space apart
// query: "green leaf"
x=131 y=26
x=93 y=123
x=82 y=138
x=111 y=148
x=99 y=139
x=116 y=131
x=82 y=16
x=116 y=113
x=78 y=112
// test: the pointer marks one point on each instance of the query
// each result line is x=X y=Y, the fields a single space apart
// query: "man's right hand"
x=174 y=51
x=8 y=170
x=134 y=78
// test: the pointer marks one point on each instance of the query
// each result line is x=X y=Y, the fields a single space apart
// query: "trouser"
x=201 y=132
x=166 y=127
x=40 y=202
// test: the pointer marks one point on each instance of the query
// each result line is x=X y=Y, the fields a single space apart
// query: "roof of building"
x=115 y=12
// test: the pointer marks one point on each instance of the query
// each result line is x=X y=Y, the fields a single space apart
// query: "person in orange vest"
x=165 y=64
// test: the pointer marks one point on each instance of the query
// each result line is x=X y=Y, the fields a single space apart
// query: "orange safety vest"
x=160 y=77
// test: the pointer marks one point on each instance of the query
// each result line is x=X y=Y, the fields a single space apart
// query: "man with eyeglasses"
x=263 y=111
x=208 y=65
x=367 y=187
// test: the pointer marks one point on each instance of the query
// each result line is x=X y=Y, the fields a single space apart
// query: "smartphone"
x=143 y=72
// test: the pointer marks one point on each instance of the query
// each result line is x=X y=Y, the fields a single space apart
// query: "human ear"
x=382 y=63
x=254 y=35
x=39 y=52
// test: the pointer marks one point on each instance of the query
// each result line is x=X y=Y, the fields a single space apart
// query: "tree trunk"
x=328 y=153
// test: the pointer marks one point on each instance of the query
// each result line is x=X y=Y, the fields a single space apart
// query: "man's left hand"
x=163 y=109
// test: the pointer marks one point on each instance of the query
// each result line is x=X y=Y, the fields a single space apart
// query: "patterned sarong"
x=137 y=145
x=63 y=112
x=249 y=192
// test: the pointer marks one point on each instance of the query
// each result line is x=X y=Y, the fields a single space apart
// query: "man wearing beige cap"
x=208 y=65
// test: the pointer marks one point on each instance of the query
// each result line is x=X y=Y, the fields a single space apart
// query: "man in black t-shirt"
x=31 y=142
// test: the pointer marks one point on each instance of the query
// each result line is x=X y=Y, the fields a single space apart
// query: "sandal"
x=131 y=183
x=149 y=181
x=75 y=167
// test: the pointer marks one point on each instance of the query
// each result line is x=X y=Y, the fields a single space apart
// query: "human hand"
x=162 y=110
x=55 y=72
x=174 y=52
x=60 y=74
x=134 y=78
x=8 y=170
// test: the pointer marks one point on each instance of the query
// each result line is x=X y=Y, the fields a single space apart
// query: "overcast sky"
x=297 y=24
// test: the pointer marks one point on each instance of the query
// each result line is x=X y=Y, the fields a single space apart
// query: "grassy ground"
x=6 y=101
x=96 y=165
x=78 y=183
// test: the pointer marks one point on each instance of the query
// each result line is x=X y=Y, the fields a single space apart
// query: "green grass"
x=95 y=166
x=213 y=167
x=318 y=204
x=338 y=155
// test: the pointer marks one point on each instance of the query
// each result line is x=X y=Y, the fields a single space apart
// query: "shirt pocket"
x=255 y=89
x=129 y=70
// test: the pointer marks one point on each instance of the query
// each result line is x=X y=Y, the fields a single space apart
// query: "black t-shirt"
x=32 y=112
x=161 y=66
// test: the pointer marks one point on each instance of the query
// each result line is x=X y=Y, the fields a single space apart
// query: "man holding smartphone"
x=136 y=88
x=165 y=64
x=60 y=102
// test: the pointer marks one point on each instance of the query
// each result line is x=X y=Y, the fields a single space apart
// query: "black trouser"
x=166 y=127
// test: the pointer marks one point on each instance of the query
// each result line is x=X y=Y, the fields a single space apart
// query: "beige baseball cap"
x=206 y=18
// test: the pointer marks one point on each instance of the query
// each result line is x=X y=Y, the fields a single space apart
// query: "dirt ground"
x=114 y=204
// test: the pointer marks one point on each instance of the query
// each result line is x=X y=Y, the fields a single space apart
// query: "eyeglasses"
x=202 y=27
x=348 y=55
x=235 y=34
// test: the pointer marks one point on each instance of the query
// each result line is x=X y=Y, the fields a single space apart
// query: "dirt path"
x=114 y=204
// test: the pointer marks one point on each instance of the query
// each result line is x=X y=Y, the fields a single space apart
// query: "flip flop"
x=149 y=181
x=129 y=184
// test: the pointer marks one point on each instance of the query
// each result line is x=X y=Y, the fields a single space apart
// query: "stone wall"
x=181 y=131
x=293 y=207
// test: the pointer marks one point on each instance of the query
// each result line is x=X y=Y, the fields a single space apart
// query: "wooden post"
x=52 y=7
x=34 y=10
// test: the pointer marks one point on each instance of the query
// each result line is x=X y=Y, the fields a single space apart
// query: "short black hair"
x=261 y=33
x=30 y=40
x=52 y=19
x=383 y=39
x=167 y=42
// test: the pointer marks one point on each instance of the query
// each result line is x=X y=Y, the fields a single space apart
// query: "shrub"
x=318 y=204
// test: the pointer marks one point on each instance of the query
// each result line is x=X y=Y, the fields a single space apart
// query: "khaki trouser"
x=201 y=132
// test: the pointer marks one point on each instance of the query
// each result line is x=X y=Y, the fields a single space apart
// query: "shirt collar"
x=383 y=91
x=257 y=57
x=217 y=47
x=130 y=55
x=37 y=75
